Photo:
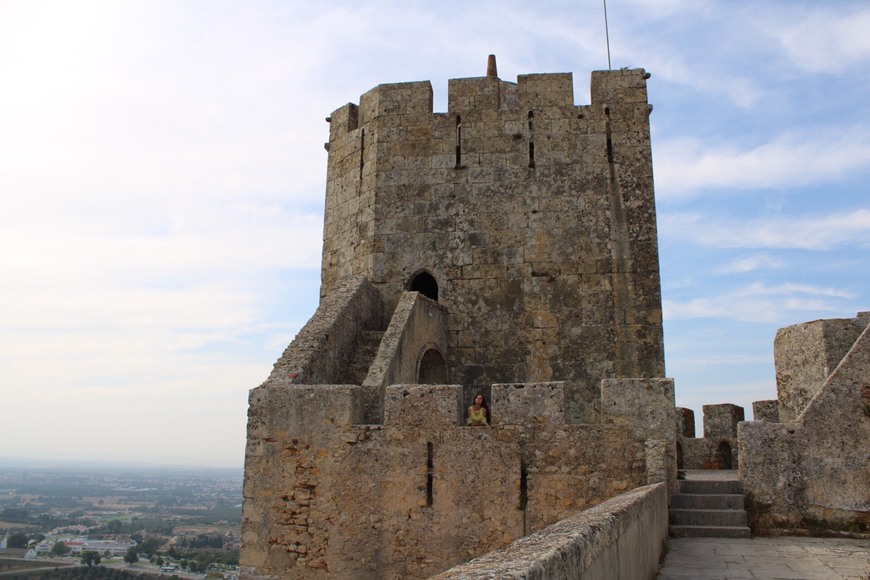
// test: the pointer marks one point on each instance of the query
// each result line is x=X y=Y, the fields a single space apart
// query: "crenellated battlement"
x=340 y=493
x=531 y=92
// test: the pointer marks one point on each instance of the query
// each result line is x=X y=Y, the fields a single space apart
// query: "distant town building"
x=101 y=546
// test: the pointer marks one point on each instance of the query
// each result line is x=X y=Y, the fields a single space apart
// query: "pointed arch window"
x=425 y=284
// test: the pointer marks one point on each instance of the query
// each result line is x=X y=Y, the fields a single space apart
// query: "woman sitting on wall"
x=478 y=413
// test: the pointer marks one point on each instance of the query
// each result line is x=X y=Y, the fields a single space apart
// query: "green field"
x=13 y=525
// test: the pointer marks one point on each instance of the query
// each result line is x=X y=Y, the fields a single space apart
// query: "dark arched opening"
x=725 y=456
x=679 y=456
x=432 y=369
x=425 y=284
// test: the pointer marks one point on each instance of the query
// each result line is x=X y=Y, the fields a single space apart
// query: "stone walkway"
x=768 y=558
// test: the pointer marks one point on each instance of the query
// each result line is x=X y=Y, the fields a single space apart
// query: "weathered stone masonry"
x=507 y=246
x=547 y=261
x=812 y=470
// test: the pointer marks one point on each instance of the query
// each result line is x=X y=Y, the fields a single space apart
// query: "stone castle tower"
x=508 y=247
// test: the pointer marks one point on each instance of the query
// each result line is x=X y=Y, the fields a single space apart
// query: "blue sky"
x=162 y=175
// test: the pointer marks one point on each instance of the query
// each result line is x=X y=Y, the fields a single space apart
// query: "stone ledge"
x=620 y=538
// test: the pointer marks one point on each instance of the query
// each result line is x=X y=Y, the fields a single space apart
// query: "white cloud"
x=758 y=302
x=817 y=232
x=750 y=263
x=827 y=40
x=685 y=167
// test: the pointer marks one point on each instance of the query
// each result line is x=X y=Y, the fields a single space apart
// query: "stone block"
x=646 y=405
x=720 y=421
x=423 y=406
x=685 y=422
x=537 y=91
x=528 y=404
x=766 y=410
x=413 y=98
x=805 y=354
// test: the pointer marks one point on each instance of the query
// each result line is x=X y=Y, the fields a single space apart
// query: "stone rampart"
x=620 y=539
x=718 y=448
x=814 y=471
x=422 y=492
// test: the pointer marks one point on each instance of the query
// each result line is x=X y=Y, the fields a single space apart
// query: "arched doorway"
x=424 y=283
x=432 y=369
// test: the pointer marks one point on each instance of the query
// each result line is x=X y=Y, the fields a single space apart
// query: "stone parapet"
x=528 y=404
x=813 y=471
x=685 y=422
x=720 y=421
x=430 y=406
x=766 y=410
x=621 y=539
x=325 y=496
x=646 y=405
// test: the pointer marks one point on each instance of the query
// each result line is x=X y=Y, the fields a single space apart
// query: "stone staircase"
x=708 y=508
x=356 y=371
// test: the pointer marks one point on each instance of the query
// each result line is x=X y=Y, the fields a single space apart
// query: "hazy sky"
x=162 y=175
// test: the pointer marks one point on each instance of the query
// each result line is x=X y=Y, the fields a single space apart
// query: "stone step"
x=710 y=532
x=707 y=501
x=715 y=487
x=366 y=350
x=707 y=517
x=708 y=508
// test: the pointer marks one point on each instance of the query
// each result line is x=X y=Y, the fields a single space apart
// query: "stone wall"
x=620 y=539
x=718 y=449
x=536 y=217
x=418 y=328
x=421 y=493
x=814 y=471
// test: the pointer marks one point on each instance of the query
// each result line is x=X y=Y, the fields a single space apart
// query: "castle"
x=506 y=247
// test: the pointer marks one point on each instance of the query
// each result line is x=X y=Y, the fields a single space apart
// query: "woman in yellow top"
x=478 y=413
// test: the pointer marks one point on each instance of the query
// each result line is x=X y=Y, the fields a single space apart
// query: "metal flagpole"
x=607 y=35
